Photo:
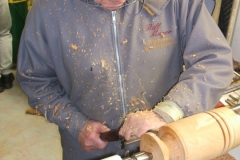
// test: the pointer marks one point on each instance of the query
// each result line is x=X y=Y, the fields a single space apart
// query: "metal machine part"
x=232 y=99
x=131 y=146
x=140 y=156
x=224 y=121
x=235 y=85
x=236 y=109
x=231 y=96
x=136 y=156
x=128 y=145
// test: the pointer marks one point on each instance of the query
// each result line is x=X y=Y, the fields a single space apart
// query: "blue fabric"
x=71 y=63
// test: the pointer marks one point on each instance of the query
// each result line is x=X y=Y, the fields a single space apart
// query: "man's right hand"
x=89 y=137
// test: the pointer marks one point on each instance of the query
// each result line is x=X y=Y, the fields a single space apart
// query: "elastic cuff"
x=169 y=111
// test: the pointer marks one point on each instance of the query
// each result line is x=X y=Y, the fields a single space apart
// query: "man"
x=6 y=76
x=91 y=67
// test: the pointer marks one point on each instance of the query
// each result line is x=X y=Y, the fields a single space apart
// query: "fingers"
x=136 y=124
x=130 y=128
x=100 y=145
x=93 y=143
x=89 y=137
x=102 y=128
x=110 y=4
x=127 y=133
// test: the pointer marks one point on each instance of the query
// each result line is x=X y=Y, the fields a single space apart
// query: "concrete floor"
x=29 y=137
x=25 y=137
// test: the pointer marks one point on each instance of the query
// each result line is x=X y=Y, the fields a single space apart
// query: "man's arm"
x=37 y=77
x=209 y=71
x=208 y=61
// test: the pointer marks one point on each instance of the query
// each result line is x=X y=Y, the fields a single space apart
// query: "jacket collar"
x=153 y=6
x=91 y=2
x=157 y=3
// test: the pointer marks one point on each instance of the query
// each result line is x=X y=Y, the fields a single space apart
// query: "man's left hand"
x=136 y=124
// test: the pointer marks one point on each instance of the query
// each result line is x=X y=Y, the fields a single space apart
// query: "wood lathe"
x=202 y=136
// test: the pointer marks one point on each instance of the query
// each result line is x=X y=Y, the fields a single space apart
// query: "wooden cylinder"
x=202 y=136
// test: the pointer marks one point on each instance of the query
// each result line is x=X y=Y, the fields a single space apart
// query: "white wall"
x=236 y=40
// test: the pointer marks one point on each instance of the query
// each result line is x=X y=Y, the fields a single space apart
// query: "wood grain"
x=203 y=136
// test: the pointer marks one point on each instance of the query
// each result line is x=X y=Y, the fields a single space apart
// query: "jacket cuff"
x=169 y=111
x=76 y=124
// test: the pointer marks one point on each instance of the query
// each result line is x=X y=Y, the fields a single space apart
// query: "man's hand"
x=110 y=4
x=136 y=124
x=89 y=137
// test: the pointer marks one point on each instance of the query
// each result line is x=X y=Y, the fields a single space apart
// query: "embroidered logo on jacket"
x=159 y=38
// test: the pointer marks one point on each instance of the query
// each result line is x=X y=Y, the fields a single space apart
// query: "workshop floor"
x=28 y=137
x=25 y=137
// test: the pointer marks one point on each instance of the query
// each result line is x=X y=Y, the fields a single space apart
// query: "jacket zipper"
x=118 y=62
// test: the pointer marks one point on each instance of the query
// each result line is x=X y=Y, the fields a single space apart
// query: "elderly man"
x=94 y=66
